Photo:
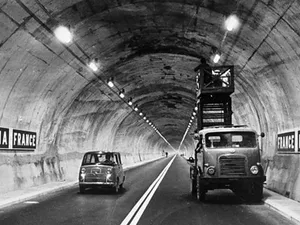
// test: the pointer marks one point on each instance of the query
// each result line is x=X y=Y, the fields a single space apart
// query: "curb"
x=285 y=206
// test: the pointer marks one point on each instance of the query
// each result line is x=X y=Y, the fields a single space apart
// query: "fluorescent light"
x=63 y=34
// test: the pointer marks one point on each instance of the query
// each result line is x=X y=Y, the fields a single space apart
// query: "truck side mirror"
x=191 y=160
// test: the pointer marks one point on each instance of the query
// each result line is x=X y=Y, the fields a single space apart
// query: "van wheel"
x=117 y=187
x=121 y=185
x=81 y=190
x=200 y=190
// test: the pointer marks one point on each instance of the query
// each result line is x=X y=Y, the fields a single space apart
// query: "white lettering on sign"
x=286 y=141
x=24 y=139
x=4 y=137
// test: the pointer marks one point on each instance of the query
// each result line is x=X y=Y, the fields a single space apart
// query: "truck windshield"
x=95 y=158
x=230 y=140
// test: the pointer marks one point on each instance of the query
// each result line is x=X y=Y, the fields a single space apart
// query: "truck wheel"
x=200 y=190
x=256 y=191
x=193 y=187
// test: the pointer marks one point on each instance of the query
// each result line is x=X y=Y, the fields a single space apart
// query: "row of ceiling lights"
x=64 y=35
x=231 y=23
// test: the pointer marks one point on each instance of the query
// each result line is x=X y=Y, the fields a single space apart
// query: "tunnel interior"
x=149 y=49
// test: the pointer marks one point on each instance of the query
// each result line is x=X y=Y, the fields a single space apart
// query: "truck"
x=227 y=156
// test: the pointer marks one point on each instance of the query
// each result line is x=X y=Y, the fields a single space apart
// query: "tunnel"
x=149 y=50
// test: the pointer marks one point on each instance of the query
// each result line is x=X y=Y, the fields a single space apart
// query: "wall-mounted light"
x=141 y=114
x=63 y=34
x=144 y=117
x=121 y=93
x=194 y=113
x=147 y=121
x=130 y=101
x=110 y=82
x=232 y=22
x=196 y=108
x=94 y=64
x=192 y=117
x=136 y=108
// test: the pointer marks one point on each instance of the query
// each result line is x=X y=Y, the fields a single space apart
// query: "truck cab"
x=227 y=157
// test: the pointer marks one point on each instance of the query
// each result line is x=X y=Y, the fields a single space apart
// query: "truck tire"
x=256 y=191
x=193 y=187
x=200 y=190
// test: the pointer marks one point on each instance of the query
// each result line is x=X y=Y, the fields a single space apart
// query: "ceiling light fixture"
x=110 y=82
x=63 y=34
x=232 y=22
x=130 y=101
x=217 y=57
x=121 y=93
x=94 y=65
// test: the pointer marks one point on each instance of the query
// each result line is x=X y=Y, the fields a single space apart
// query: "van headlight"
x=254 y=170
x=108 y=177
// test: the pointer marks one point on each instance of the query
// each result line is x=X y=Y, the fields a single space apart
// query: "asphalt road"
x=168 y=202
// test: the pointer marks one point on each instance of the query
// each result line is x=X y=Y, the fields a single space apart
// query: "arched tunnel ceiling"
x=150 y=49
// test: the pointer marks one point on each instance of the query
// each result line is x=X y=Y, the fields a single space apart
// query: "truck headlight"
x=211 y=170
x=254 y=169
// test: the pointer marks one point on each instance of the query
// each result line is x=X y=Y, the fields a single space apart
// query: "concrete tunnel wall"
x=44 y=89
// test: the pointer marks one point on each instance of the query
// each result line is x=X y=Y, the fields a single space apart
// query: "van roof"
x=102 y=152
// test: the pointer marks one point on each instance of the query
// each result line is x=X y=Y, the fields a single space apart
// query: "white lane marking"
x=141 y=205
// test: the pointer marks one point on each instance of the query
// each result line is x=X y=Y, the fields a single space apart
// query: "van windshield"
x=98 y=158
x=230 y=140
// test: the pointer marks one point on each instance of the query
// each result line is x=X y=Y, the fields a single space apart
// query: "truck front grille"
x=232 y=165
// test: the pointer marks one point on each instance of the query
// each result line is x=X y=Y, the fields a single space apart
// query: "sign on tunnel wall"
x=12 y=139
x=288 y=142
x=4 y=137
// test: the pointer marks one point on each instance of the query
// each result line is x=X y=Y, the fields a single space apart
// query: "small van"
x=101 y=169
